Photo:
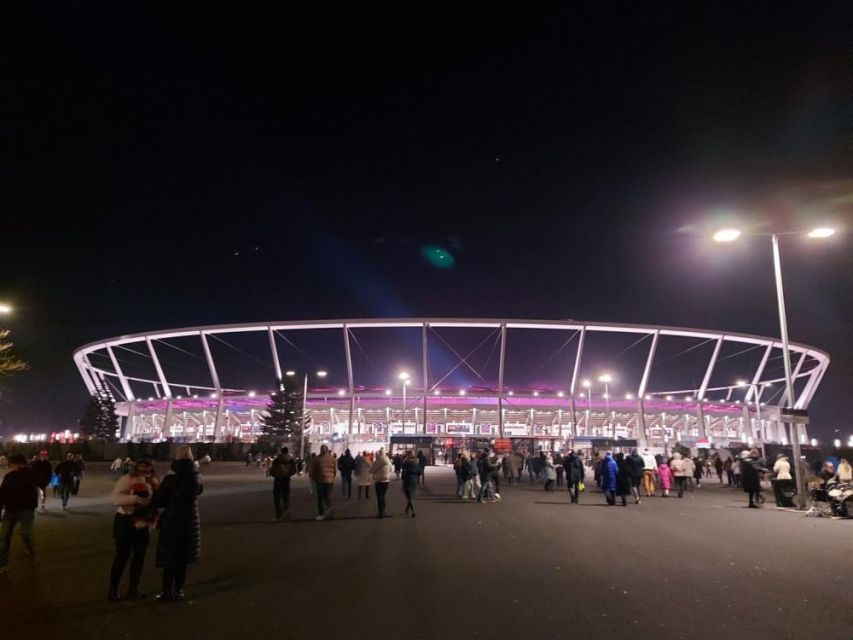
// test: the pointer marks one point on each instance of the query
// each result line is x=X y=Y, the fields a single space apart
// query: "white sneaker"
x=497 y=497
x=320 y=518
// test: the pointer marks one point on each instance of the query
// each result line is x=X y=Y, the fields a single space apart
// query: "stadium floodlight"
x=560 y=394
x=290 y=373
x=322 y=374
x=5 y=309
x=836 y=443
x=341 y=392
x=741 y=383
x=403 y=375
x=462 y=392
x=251 y=394
x=629 y=396
x=387 y=392
x=535 y=394
x=586 y=383
x=605 y=377
x=821 y=232
x=726 y=235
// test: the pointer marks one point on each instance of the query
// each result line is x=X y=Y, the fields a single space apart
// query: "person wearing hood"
x=664 y=474
x=381 y=472
x=752 y=467
x=179 y=543
x=609 y=478
x=680 y=472
x=650 y=466
x=362 y=474
x=411 y=473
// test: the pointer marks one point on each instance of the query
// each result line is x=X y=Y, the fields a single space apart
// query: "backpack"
x=277 y=468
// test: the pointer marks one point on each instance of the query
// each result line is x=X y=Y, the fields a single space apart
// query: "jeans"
x=680 y=481
x=487 y=490
x=381 y=490
x=460 y=483
x=346 y=485
x=65 y=491
x=635 y=489
x=324 y=489
x=129 y=541
x=281 y=495
x=409 y=492
x=12 y=519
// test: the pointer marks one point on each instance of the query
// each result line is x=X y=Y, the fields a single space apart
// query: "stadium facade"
x=556 y=412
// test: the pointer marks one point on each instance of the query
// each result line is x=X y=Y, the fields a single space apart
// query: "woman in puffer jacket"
x=381 y=472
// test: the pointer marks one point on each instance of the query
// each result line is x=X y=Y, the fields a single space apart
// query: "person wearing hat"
x=649 y=467
x=43 y=472
x=18 y=502
x=751 y=468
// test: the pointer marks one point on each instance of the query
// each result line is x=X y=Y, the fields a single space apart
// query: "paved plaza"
x=531 y=566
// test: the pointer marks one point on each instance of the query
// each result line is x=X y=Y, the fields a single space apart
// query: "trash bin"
x=783 y=491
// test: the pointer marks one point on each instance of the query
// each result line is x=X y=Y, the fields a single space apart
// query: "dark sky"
x=561 y=154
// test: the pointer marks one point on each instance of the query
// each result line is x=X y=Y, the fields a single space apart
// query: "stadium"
x=458 y=383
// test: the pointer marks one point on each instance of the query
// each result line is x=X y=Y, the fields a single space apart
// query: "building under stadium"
x=467 y=381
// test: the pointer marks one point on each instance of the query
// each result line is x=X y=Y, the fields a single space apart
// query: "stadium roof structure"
x=158 y=405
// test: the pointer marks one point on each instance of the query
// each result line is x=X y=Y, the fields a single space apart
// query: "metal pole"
x=501 y=382
x=304 y=438
x=789 y=382
x=426 y=378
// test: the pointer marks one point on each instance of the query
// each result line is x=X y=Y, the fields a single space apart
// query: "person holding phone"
x=132 y=497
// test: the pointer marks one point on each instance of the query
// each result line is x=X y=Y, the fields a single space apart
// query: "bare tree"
x=10 y=364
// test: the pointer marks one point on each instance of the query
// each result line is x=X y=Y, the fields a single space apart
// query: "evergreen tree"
x=283 y=417
x=100 y=419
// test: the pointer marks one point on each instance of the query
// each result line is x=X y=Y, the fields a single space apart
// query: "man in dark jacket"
x=283 y=467
x=66 y=470
x=346 y=465
x=43 y=471
x=635 y=465
x=574 y=475
x=752 y=466
x=18 y=502
x=422 y=463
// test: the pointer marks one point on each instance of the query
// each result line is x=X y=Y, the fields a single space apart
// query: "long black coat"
x=180 y=528
x=751 y=469
x=574 y=468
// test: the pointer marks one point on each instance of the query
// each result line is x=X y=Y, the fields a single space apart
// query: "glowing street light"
x=836 y=443
x=726 y=235
x=290 y=373
x=821 y=232
x=5 y=309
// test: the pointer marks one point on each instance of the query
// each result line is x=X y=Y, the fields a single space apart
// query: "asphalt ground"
x=531 y=566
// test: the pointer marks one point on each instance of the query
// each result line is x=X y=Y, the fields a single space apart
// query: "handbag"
x=581 y=486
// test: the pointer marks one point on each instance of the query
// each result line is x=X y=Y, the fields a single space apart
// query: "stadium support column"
x=501 y=382
x=700 y=395
x=214 y=376
x=425 y=375
x=217 y=424
x=349 y=379
x=167 y=421
x=275 y=361
x=125 y=384
x=128 y=426
x=575 y=373
x=641 y=393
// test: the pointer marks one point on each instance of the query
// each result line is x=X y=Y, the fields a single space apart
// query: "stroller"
x=840 y=496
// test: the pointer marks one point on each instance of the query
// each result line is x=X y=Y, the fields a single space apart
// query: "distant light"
x=387 y=392
x=605 y=395
x=560 y=394
x=251 y=394
x=629 y=396
x=213 y=395
x=5 y=308
x=406 y=383
x=763 y=404
x=322 y=374
x=688 y=398
x=726 y=235
x=150 y=399
x=586 y=383
x=605 y=378
x=403 y=375
x=768 y=384
x=814 y=442
x=509 y=393
x=290 y=373
x=582 y=394
x=821 y=232
x=536 y=394
x=669 y=398
x=722 y=400
x=179 y=397
x=741 y=383
x=341 y=392
x=836 y=443
x=437 y=392
x=195 y=395
x=648 y=397
x=462 y=392
x=737 y=401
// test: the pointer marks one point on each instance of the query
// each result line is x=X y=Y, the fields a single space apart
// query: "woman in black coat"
x=623 y=478
x=411 y=473
x=180 y=530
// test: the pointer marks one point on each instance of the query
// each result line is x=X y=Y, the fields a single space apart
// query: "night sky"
x=163 y=170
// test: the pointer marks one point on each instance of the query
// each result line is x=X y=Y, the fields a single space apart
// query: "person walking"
x=558 y=465
x=132 y=496
x=467 y=480
x=718 y=467
x=691 y=472
x=411 y=473
x=458 y=464
x=282 y=469
x=66 y=470
x=623 y=477
x=728 y=465
x=115 y=467
x=679 y=472
x=422 y=462
x=43 y=472
x=751 y=468
x=19 y=493
x=79 y=469
x=550 y=471
x=650 y=466
x=698 y=470
x=381 y=472
x=179 y=543
x=346 y=465
x=397 y=461
x=362 y=474
x=609 y=478
x=323 y=472
x=574 y=475
x=665 y=478
x=636 y=473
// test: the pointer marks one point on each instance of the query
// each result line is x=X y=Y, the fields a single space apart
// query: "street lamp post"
x=587 y=384
x=405 y=379
x=729 y=235
x=606 y=378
